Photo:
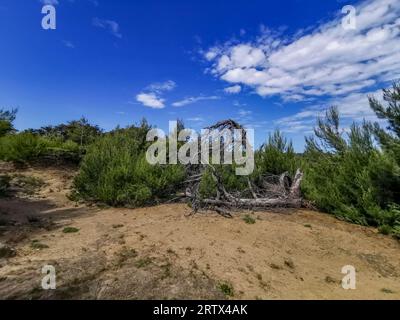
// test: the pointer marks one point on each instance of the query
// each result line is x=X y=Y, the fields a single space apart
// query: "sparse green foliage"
x=390 y=138
x=388 y=291
x=249 y=219
x=226 y=288
x=38 y=245
x=347 y=175
x=70 y=230
x=143 y=262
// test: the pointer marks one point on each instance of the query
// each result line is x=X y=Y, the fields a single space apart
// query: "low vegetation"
x=352 y=173
x=356 y=175
x=115 y=171
x=66 y=142
x=226 y=288
x=249 y=219
x=70 y=230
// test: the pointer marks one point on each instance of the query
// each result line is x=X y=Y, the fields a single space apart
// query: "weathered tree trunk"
x=295 y=191
x=256 y=203
x=272 y=191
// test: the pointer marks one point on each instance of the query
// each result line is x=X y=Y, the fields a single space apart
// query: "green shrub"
x=276 y=157
x=26 y=147
x=21 y=147
x=81 y=132
x=115 y=171
x=249 y=219
x=226 y=288
x=385 y=229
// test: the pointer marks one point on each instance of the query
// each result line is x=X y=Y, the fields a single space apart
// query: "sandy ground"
x=163 y=252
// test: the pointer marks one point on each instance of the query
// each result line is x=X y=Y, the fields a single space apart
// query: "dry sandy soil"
x=163 y=252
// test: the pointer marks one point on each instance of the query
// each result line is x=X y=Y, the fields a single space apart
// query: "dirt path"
x=161 y=252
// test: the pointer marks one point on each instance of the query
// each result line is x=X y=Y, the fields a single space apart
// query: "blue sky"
x=267 y=64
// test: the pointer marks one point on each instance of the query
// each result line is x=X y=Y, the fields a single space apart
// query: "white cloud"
x=192 y=100
x=110 y=25
x=162 y=86
x=326 y=61
x=234 y=89
x=353 y=107
x=150 y=100
x=152 y=94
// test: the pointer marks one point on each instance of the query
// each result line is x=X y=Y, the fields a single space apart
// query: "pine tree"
x=390 y=138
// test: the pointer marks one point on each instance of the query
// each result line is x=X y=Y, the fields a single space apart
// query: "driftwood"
x=270 y=191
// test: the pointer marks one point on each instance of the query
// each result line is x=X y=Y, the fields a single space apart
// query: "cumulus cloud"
x=327 y=61
x=150 y=100
x=233 y=89
x=191 y=100
x=110 y=25
x=152 y=96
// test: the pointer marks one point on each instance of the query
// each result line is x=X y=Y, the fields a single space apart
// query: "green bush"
x=81 y=132
x=25 y=147
x=21 y=147
x=276 y=157
x=115 y=171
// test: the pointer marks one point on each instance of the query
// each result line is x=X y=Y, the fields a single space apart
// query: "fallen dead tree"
x=271 y=191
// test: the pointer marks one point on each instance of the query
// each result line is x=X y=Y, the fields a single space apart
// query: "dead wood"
x=270 y=191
